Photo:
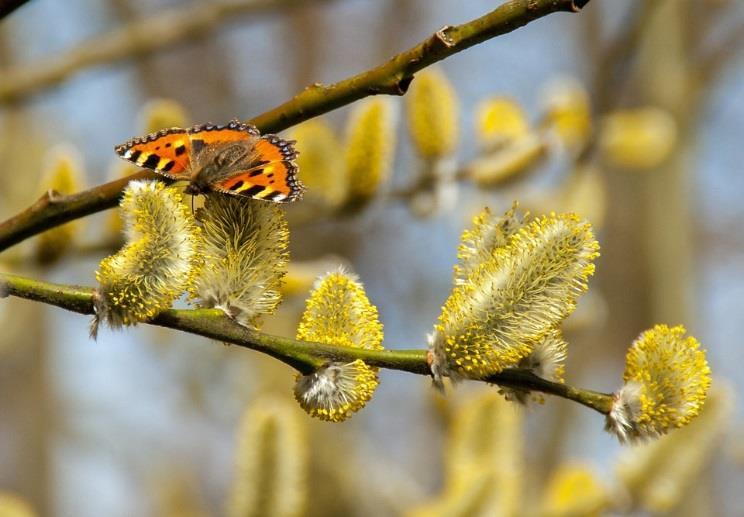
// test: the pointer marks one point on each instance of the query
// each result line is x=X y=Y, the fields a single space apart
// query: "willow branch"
x=304 y=356
x=392 y=77
x=138 y=38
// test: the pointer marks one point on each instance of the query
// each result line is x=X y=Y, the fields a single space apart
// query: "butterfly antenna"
x=192 y=205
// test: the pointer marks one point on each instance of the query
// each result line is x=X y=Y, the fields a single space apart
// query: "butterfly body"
x=233 y=159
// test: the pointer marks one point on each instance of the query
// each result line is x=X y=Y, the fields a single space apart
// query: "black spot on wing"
x=253 y=191
x=151 y=162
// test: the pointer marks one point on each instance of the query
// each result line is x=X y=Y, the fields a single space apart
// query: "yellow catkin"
x=488 y=233
x=13 y=506
x=573 y=490
x=271 y=462
x=673 y=376
x=339 y=313
x=370 y=144
x=519 y=293
x=433 y=113
x=515 y=159
x=245 y=254
x=639 y=139
x=568 y=112
x=323 y=173
x=500 y=120
x=484 y=466
x=159 y=262
x=64 y=175
x=658 y=474
x=157 y=114
x=302 y=275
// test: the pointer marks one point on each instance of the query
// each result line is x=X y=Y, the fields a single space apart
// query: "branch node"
x=445 y=38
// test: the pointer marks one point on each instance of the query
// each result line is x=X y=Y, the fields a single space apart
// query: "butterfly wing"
x=270 y=175
x=166 y=152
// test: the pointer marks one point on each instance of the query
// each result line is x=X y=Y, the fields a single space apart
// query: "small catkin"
x=574 y=489
x=370 y=144
x=666 y=382
x=64 y=175
x=323 y=173
x=339 y=313
x=271 y=462
x=433 y=112
x=484 y=464
x=639 y=139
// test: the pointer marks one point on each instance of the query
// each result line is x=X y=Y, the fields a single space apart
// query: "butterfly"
x=233 y=159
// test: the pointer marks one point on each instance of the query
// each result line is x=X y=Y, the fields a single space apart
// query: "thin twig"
x=392 y=77
x=306 y=357
x=138 y=38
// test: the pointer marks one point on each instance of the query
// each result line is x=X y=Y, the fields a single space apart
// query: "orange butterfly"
x=233 y=159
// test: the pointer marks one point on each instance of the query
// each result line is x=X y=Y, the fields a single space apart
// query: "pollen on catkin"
x=433 y=112
x=271 y=462
x=245 y=257
x=498 y=312
x=64 y=175
x=666 y=381
x=158 y=263
x=489 y=232
x=339 y=313
x=370 y=144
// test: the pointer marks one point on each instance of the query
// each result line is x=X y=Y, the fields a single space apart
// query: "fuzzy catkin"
x=515 y=296
x=158 y=263
x=64 y=175
x=433 y=113
x=370 y=143
x=339 y=313
x=245 y=257
x=271 y=463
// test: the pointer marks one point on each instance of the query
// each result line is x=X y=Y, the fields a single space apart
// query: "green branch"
x=304 y=356
x=392 y=78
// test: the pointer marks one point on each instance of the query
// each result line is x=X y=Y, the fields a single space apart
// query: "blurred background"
x=629 y=113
